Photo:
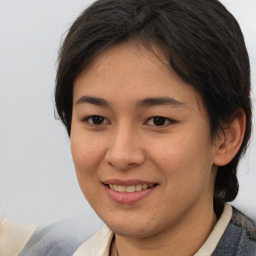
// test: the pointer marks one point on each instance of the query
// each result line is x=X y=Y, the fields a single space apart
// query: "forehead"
x=129 y=72
x=130 y=58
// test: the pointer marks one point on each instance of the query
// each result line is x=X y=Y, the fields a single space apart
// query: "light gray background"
x=37 y=178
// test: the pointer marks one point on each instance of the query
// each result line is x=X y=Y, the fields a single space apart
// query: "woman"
x=155 y=96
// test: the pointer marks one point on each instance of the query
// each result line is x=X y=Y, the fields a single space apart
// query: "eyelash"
x=103 y=121
x=96 y=117
x=160 y=118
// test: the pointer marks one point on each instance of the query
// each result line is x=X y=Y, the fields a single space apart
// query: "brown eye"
x=96 y=120
x=159 y=121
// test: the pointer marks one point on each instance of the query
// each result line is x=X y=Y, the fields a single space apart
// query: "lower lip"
x=128 y=198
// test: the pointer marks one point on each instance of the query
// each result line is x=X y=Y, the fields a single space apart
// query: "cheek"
x=86 y=150
x=86 y=160
x=184 y=159
x=172 y=152
x=87 y=157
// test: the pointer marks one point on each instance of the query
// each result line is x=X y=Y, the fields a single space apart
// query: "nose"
x=125 y=149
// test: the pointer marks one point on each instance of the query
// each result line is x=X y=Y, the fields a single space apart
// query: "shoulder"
x=244 y=223
x=59 y=239
x=239 y=237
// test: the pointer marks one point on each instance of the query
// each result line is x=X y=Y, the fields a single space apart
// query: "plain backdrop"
x=37 y=178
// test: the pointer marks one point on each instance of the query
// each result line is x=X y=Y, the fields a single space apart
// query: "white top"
x=99 y=243
x=14 y=237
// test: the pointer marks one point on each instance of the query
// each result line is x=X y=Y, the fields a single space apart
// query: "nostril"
x=132 y=164
x=110 y=163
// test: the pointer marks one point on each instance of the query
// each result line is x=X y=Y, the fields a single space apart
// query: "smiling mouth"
x=130 y=189
x=128 y=192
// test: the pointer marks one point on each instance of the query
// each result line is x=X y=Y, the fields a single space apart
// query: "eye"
x=96 y=120
x=159 y=121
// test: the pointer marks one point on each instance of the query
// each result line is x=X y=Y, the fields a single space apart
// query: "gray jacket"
x=239 y=238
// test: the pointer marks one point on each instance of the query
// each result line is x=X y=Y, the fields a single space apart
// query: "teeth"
x=145 y=186
x=130 y=189
x=138 y=187
x=121 y=189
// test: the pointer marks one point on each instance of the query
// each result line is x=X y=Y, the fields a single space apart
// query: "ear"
x=229 y=143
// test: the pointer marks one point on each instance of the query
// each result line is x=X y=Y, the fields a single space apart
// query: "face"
x=141 y=145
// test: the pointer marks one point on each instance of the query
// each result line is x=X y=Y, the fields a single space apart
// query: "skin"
x=179 y=156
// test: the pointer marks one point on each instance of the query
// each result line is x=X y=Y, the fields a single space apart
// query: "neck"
x=194 y=232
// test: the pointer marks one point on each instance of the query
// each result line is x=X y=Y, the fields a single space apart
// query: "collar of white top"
x=99 y=243
x=14 y=237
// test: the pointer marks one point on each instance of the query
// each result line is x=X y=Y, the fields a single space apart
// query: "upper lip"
x=129 y=182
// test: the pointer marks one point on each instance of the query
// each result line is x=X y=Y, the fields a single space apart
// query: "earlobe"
x=229 y=143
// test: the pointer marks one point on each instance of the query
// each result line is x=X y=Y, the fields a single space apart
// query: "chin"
x=131 y=228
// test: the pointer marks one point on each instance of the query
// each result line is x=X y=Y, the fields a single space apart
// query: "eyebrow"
x=147 y=102
x=92 y=100
x=151 y=102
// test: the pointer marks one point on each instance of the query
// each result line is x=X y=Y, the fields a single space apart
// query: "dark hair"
x=204 y=46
